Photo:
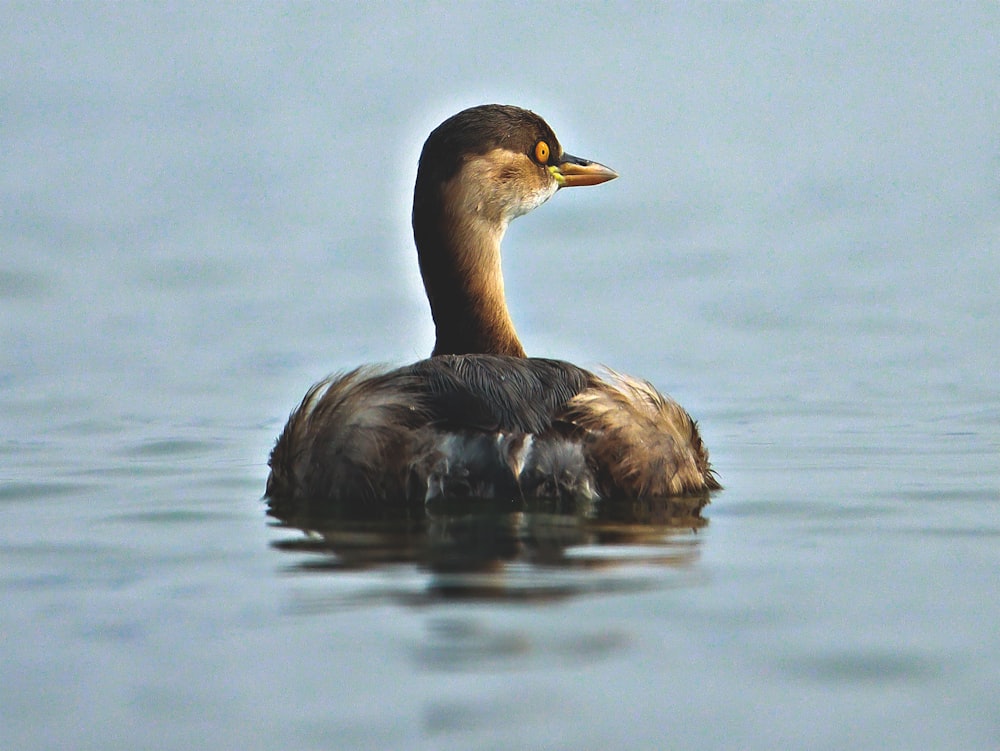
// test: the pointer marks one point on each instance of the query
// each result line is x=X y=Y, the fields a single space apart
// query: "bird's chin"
x=531 y=200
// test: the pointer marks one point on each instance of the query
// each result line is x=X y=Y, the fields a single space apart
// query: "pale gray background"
x=205 y=208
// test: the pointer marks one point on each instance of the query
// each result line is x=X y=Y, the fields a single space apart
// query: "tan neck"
x=459 y=254
x=464 y=285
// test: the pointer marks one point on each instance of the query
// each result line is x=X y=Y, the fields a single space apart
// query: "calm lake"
x=205 y=210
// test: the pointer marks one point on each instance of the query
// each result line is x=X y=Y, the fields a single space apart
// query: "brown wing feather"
x=642 y=443
x=351 y=438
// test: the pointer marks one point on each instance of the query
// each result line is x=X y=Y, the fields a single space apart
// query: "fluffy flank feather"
x=643 y=443
x=350 y=440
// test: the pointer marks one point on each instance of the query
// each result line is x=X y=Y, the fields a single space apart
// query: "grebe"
x=479 y=419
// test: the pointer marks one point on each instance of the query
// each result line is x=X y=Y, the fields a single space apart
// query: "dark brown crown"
x=478 y=130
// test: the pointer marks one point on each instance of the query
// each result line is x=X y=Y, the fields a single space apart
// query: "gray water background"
x=203 y=209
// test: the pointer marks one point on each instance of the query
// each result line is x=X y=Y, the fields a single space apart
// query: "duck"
x=479 y=419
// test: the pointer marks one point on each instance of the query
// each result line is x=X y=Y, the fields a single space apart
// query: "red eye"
x=542 y=152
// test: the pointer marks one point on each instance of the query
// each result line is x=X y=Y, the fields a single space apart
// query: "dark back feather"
x=493 y=392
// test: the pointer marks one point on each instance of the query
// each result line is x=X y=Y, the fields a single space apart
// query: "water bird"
x=479 y=419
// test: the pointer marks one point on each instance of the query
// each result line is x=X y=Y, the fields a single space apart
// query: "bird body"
x=479 y=419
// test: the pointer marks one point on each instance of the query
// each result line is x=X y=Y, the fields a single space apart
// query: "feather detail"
x=642 y=443
x=351 y=438
x=483 y=426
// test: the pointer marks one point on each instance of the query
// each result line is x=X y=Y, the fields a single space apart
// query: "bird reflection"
x=542 y=550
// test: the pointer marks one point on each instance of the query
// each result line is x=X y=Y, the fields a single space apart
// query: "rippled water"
x=206 y=210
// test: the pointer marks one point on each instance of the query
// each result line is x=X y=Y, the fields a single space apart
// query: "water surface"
x=205 y=210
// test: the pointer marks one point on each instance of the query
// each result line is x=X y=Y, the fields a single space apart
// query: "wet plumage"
x=479 y=419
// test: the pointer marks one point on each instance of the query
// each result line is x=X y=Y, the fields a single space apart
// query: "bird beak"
x=572 y=172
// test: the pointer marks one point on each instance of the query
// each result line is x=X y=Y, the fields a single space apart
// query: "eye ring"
x=542 y=152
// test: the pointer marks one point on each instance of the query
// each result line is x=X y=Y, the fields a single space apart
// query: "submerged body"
x=479 y=419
